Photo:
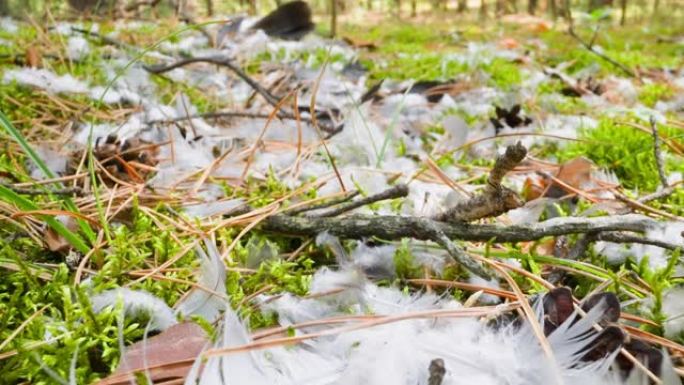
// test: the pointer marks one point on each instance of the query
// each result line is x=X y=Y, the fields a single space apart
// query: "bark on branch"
x=391 y=227
x=398 y=191
x=398 y=227
x=496 y=199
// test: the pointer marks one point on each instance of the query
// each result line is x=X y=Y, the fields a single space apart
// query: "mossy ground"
x=34 y=280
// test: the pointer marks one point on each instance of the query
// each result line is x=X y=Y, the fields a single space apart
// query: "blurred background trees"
x=331 y=9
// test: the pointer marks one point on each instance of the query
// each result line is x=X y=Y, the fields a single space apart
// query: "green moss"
x=550 y=87
x=407 y=51
x=393 y=37
x=503 y=73
x=16 y=103
x=415 y=66
x=626 y=151
x=67 y=320
x=25 y=36
x=405 y=264
x=570 y=106
x=204 y=101
x=89 y=69
x=633 y=47
x=22 y=104
x=651 y=93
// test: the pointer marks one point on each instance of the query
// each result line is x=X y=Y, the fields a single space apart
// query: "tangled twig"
x=590 y=47
x=328 y=127
x=496 y=199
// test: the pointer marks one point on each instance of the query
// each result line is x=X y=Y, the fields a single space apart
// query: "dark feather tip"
x=289 y=21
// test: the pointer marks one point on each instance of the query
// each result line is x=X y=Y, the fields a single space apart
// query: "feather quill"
x=200 y=301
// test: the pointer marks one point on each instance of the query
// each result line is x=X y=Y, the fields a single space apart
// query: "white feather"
x=135 y=303
x=213 y=277
x=400 y=352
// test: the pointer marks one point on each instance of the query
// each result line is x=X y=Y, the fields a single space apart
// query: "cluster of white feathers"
x=399 y=352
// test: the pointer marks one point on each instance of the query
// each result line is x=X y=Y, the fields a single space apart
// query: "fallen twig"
x=583 y=242
x=658 y=194
x=628 y=238
x=454 y=251
x=105 y=39
x=218 y=60
x=28 y=191
x=657 y=153
x=223 y=114
x=392 y=227
x=398 y=191
x=590 y=47
x=333 y=202
x=496 y=199
x=227 y=62
x=567 y=80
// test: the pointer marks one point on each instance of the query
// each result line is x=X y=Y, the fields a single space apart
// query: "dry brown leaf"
x=576 y=172
x=508 y=43
x=34 y=58
x=573 y=175
x=56 y=242
x=362 y=44
x=533 y=188
x=165 y=357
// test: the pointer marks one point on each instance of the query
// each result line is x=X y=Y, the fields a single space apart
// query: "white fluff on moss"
x=400 y=352
x=46 y=80
x=206 y=303
x=137 y=303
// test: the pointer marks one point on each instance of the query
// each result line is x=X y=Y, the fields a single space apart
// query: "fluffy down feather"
x=207 y=303
x=136 y=303
x=400 y=352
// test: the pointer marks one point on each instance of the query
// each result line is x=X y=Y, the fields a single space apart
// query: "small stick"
x=393 y=227
x=457 y=253
x=398 y=191
x=332 y=202
x=105 y=39
x=658 y=154
x=616 y=237
x=224 y=114
x=594 y=36
x=496 y=199
x=506 y=163
x=222 y=61
x=590 y=48
x=28 y=191
x=227 y=62
x=658 y=194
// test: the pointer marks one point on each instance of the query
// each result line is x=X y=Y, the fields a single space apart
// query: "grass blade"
x=24 y=204
x=33 y=155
